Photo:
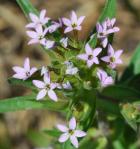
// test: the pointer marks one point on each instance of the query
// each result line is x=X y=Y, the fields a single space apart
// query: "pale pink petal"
x=68 y=29
x=20 y=76
x=88 y=49
x=39 y=84
x=72 y=123
x=78 y=28
x=106 y=59
x=63 y=138
x=32 y=34
x=110 y=50
x=116 y=29
x=95 y=60
x=62 y=128
x=80 y=20
x=118 y=54
x=66 y=21
x=41 y=94
x=104 y=42
x=96 y=51
x=42 y=14
x=113 y=21
x=47 y=79
x=118 y=61
x=74 y=141
x=33 y=41
x=33 y=17
x=108 y=81
x=79 y=133
x=90 y=63
x=27 y=64
x=73 y=17
x=99 y=28
x=18 y=69
x=52 y=95
x=82 y=56
x=39 y=30
x=30 y=25
x=33 y=70
x=49 y=44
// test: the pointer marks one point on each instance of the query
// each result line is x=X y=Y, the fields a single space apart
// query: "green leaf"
x=118 y=93
x=26 y=83
x=38 y=139
x=108 y=11
x=29 y=102
x=26 y=7
x=53 y=133
x=134 y=66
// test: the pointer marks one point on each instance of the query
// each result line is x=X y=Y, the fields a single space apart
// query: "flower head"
x=46 y=87
x=104 y=29
x=38 y=36
x=73 y=23
x=41 y=20
x=70 y=132
x=71 y=70
x=104 y=78
x=90 y=56
x=24 y=72
x=113 y=58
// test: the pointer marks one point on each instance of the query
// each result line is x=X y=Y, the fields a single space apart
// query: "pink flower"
x=106 y=28
x=24 y=72
x=46 y=87
x=41 y=20
x=73 y=23
x=90 y=56
x=113 y=57
x=70 y=133
x=38 y=36
x=104 y=78
x=54 y=26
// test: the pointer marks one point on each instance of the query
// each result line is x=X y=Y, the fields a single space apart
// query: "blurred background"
x=17 y=129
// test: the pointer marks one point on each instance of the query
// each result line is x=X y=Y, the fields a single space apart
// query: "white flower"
x=71 y=70
x=70 y=132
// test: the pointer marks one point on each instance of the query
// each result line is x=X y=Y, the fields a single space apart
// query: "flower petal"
x=90 y=63
x=110 y=50
x=30 y=25
x=73 y=17
x=66 y=21
x=118 y=54
x=18 y=69
x=20 y=76
x=33 y=70
x=27 y=64
x=74 y=141
x=52 y=95
x=47 y=79
x=39 y=84
x=88 y=49
x=68 y=29
x=33 y=41
x=79 y=133
x=97 y=51
x=80 y=20
x=82 y=56
x=33 y=17
x=63 y=138
x=41 y=94
x=62 y=128
x=106 y=59
x=42 y=14
x=72 y=123
x=32 y=34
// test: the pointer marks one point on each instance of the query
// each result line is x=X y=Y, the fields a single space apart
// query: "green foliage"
x=29 y=102
x=134 y=66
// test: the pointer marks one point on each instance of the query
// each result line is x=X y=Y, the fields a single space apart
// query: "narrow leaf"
x=29 y=102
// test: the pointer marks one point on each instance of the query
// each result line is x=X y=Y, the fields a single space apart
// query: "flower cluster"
x=79 y=62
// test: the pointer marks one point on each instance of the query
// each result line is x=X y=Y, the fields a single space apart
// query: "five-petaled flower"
x=90 y=56
x=113 y=58
x=46 y=87
x=41 y=20
x=104 y=29
x=38 y=36
x=73 y=23
x=24 y=72
x=105 y=80
x=70 y=132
